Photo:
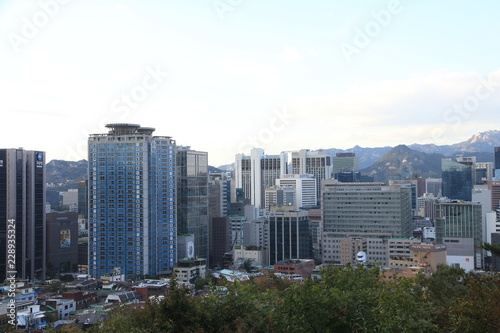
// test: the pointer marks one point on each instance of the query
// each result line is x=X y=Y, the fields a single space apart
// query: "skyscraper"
x=132 y=201
x=22 y=203
x=257 y=172
x=192 y=201
x=457 y=179
x=317 y=163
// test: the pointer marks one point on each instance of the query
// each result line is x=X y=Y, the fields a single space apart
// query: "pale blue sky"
x=234 y=64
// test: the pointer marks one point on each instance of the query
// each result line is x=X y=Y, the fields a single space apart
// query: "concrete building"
x=317 y=163
x=132 y=201
x=400 y=247
x=289 y=235
x=218 y=195
x=429 y=255
x=461 y=220
x=374 y=211
x=256 y=233
x=62 y=242
x=257 y=172
x=305 y=188
x=461 y=252
x=192 y=197
x=494 y=187
x=22 y=213
x=302 y=267
x=281 y=196
x=350 y=247
x=484 y=172
x=237 y=232
x=256 y=254
x=63 y=307
x=187 y=271
x=70 y=197
x=434 y=186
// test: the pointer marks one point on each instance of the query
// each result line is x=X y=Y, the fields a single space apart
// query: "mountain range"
x=382 y=163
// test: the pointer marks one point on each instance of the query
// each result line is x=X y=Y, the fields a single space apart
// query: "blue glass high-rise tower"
x=132 y=202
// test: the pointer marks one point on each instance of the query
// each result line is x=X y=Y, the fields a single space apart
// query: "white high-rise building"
x=305 y=188
x=257 y=172
x=317 y=163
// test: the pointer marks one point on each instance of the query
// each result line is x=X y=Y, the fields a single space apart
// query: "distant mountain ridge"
x=401 y=161
x=59 y=171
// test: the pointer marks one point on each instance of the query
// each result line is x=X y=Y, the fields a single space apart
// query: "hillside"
x=406 y=162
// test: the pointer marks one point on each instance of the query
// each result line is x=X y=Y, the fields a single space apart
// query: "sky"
x=224 y=76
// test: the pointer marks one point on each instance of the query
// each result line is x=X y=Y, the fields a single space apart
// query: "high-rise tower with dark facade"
x=22 y=201
x=192 y=200
x=457 y=180
x=132 y=202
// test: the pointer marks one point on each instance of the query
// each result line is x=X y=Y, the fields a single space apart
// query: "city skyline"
x=226 y=76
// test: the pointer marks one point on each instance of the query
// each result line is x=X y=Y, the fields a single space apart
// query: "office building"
x=132 y=202
x=257 y=172
x=349 y=249
x=484 y=172
x=461 y=220
x=62 y=242
x=218 y=195
x=192 y=197
x=220 y=240
x=497 y=163
x=256 y=233
x=305 y=188
x=348 y=176
x=22 y=203
x=83 y=201
x=457 y=179
x=460 y=252
x=373 y=211
x=281 y=196
x=316 y=163
x=345 y=162
x=289 y=235
x=434 y=186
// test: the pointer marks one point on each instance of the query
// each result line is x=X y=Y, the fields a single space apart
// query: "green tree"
x=493 y=248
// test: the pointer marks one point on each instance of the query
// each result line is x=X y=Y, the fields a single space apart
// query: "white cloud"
x=290 y=54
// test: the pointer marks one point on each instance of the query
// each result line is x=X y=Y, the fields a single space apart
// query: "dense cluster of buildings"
x=150 y=207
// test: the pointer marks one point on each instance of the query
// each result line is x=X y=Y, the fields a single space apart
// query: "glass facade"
x=461 y=220
x=22 y=198
x=192 y=208
x=457 y=180
x=132 y=202
x=289 y=235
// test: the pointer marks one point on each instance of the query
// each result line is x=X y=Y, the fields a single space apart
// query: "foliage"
x=67 y=278
x=493 y=248
x=346 y=299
